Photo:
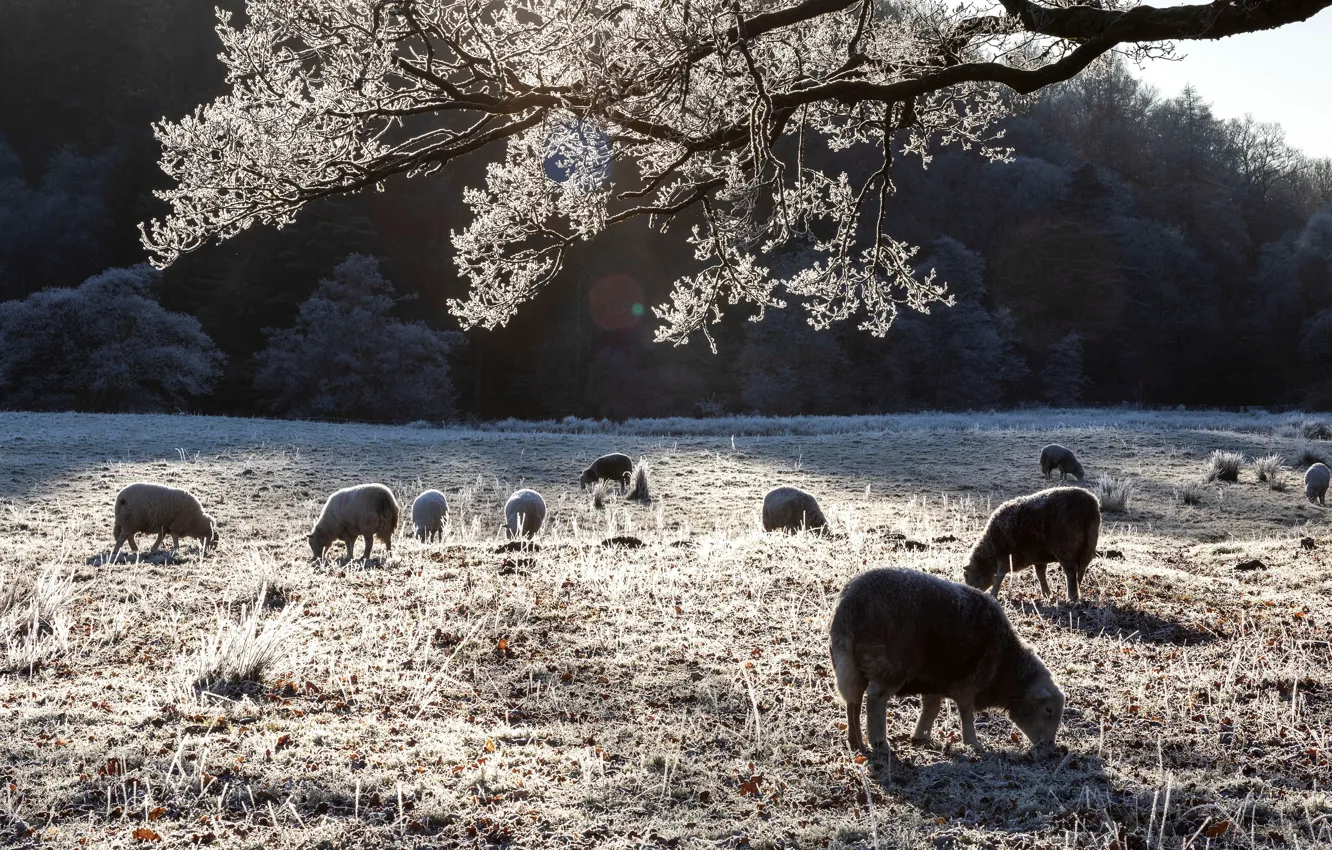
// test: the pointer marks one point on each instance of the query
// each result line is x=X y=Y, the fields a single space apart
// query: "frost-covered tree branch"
x=611 y=110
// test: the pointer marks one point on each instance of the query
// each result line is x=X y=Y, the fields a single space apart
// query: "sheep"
x=615 y=467
x=899 y=632
x=1055 y=456
x=524 y=513
x=1059 y=524
x=366 y=510
x=791 y=509
x=1315 y=483
x=428 y=512
x=144 y=507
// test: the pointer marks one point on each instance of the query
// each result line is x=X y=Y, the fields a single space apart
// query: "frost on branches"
x=614 y=109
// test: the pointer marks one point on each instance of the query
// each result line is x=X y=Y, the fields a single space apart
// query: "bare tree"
x=697 y=107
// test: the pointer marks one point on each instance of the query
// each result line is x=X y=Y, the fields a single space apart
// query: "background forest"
x=1137 y=248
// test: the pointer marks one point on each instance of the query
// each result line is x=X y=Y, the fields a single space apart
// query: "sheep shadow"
x=1001 y=790
x=163 y=557
x=1113 y=621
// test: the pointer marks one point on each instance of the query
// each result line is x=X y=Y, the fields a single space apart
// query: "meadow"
x=677 y=693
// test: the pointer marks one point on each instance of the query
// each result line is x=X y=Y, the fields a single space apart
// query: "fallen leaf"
x=490 y=746
x=1217 y=829
x=157 y=813
x=143 y=833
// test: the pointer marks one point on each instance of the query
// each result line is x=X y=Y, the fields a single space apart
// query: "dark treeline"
x=1136 y=248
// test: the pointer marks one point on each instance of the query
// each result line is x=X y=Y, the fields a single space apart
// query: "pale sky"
x=1282 y=75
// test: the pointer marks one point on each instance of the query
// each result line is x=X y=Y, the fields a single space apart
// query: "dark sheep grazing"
x=1061 y=524
x=615 y=467
x=900 y=632
x=791 y=509
x=1055 y=456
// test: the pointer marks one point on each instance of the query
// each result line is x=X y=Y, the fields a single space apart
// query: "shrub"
x=103 y=346
x=1190 y=493
x=348 y=358
x=1114 y=493
x=1224 y=466
x=1268 y=468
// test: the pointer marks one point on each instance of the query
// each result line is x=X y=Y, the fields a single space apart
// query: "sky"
x=1282 y=75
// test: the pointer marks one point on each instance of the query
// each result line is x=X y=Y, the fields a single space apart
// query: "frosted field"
x=673 y=695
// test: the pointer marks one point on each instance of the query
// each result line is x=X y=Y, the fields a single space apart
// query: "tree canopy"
x=656 y=109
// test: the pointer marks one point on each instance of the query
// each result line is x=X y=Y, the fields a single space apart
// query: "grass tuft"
x=1114 y=493
x=600 y=492
x=1308 y=456
x=1268 y=468
x=1224 y=466
x=34 y=625
x=1190 y=493
x=639 y=491
x=234 y=659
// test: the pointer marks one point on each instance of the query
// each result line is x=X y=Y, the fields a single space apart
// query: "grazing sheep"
x=147 y=508
x=1315 y=483
x=899 y=632
x=428 y=512
x=1055 y=456
x=524 y=513
x=366 y=510
x=791 y=509
x=1059 y=524
x=612 y=467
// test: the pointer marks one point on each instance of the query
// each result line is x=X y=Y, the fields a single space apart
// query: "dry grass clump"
x=1224 y=466
x=600 y=492
x=1312 y=429
x=1190 y=493
x=1308 y=456
x=1114 y=493
x=1268 y=468
x=35 y=623
x=234 y=658
x=640 y=491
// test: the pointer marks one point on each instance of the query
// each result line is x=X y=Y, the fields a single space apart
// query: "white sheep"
x=366 y=510
x=1316 y=481
x=524 y=513
x=149 y=508
x=428 y=512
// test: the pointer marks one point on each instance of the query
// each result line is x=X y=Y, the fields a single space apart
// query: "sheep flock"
x=554 y=657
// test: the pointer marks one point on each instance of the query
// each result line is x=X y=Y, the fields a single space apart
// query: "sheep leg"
x=929 y=711
x=175 y=543
x=369 y=544
x=134 y=547
x=876 y=709
x=966 y=711
x=1071 y=575
x=157 y=544
x=120 y=541
x=350 y=543
x=1040 y=576
x=999 y=579
x=851 y=685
